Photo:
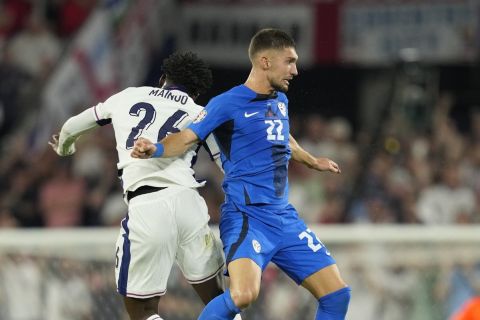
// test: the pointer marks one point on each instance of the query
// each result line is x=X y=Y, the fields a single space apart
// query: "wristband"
x=159 y=152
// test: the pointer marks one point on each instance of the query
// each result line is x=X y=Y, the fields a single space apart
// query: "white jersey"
x=146 y=112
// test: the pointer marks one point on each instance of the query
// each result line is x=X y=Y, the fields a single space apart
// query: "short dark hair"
x=269 y=39
x=187 y=70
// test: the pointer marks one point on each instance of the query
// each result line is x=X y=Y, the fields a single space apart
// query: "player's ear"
x=162 y=80
x=264 y=62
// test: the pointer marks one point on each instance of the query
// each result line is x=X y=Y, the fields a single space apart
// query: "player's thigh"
x=146 y=246
x=303 y=255
x=246 y=237
x=245 y=276
x=199 y=253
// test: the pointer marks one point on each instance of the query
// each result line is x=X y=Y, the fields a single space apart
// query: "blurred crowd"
x=420 y=167
x=434 y=287
x=403 y=175
x=57 y=288
x=414 y=170
x=33 y=37
x=428 y=179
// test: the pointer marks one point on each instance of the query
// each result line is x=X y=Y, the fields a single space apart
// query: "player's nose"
x=294 y=70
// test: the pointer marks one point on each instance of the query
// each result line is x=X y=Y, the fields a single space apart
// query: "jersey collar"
x=175 y=87
x=260 y=96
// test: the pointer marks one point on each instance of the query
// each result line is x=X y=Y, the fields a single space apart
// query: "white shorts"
x=160 y=228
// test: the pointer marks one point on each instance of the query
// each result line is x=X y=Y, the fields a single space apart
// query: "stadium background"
x=388 y=89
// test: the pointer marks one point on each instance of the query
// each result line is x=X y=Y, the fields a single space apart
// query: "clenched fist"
x=143 y=149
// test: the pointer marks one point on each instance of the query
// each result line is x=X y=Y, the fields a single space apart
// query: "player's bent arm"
x=299 y=154
x=304 y=157
x=74 y=127
x=173 y=145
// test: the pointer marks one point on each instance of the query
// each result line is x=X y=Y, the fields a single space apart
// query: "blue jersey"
x=252 y=131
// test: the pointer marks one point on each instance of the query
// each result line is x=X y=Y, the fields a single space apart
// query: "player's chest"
x=264 y=118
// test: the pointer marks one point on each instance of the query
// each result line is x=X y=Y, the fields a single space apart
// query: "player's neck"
x=258 y=83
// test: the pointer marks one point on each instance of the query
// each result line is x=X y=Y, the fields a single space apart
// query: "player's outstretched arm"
x=64 y=142
x=302 y=156
x=174 y=144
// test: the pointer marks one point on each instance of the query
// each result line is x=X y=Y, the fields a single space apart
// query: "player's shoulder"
x=131 y=91
x=143 y=90
x=281 y=96
x=231 y=96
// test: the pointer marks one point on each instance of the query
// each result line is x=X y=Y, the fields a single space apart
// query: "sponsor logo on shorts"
x=200 y=116
x=208 y=240
x=256 y=246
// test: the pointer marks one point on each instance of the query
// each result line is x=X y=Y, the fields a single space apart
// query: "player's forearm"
x=72 y=129
x=177 y=144
x=299 y=154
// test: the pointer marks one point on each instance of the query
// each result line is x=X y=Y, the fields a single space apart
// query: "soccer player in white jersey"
x=167 y=219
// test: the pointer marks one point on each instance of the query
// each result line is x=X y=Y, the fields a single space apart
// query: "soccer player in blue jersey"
x=258 y=224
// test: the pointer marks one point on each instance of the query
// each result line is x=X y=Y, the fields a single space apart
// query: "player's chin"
x=281 y=87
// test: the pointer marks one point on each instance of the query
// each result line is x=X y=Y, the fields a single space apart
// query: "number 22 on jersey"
x=276 y=125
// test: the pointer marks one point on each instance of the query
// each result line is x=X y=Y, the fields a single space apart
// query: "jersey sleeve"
x=213 y=150
x=212 y=116
x=103 y=110
x=72 y=129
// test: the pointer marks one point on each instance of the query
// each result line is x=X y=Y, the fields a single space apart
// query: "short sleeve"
x=211 y=117
x=103 y=110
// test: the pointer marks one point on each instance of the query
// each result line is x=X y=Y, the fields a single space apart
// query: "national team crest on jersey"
x=256 y=246
x=200 y=116
x=283 y=108
x=269 y=112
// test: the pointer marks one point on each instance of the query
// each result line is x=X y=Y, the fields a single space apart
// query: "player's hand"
x=66 y=151
x=54 y=142
x=325 y=164
x=143 y=149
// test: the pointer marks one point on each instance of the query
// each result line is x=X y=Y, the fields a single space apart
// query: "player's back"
x=151 y=113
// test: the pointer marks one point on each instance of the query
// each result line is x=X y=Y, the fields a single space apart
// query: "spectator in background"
x=448 y=201
x=35 y=49
x=61 y=199
x=22 y=279
x=67 y=294
x=14 y=88
x=7 y=218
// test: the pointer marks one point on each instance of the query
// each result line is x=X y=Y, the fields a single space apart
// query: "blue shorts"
x=264 y=234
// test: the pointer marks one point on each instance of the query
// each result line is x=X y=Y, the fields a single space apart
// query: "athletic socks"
x=220 y=308
x=334 y=305
x=154 y=317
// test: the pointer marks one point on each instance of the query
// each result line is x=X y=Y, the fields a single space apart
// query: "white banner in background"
x=220 y=34
x=441 y=31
